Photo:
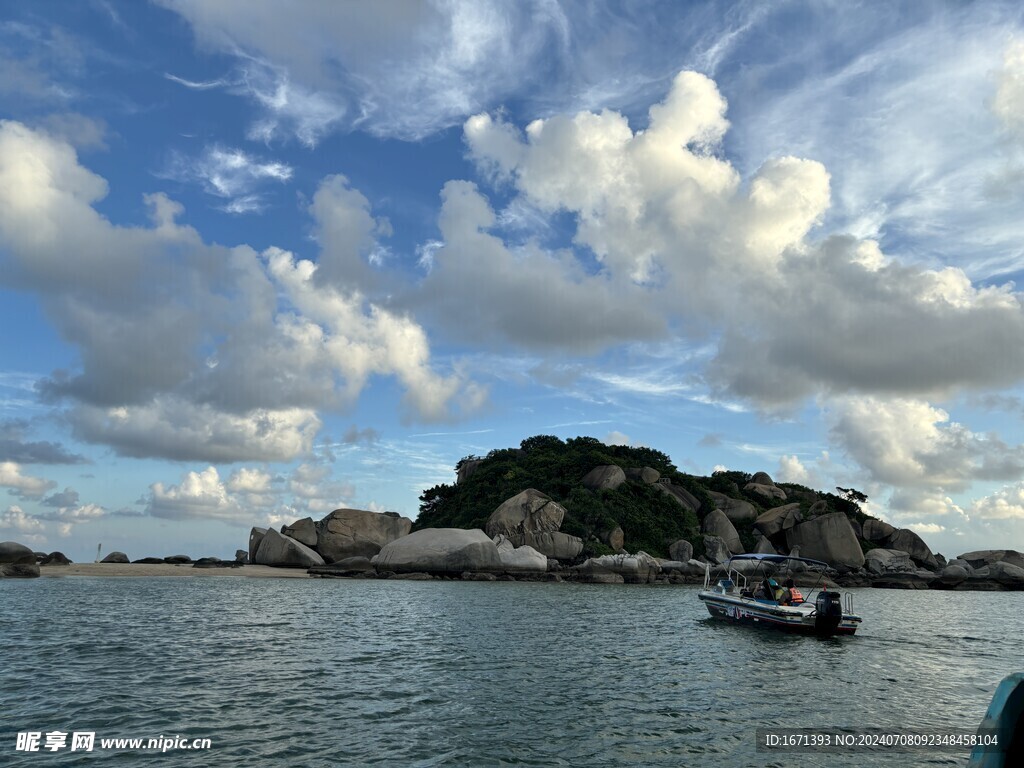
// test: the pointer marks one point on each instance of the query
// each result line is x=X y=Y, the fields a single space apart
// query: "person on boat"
x=793 y=595
x=777 y=593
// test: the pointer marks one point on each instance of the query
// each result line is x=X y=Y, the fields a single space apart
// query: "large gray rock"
x=829 y=538
x=55 y=558
x=466 y=470
x=528 y=512
x=13 y=552
x=909 y=542
x=116 y=557
x=303 y=531
x=876 y=531
x=718 y=524
x=1002 y=572
x=768 y=491
x=681 y=550
x=519 y=559
x=20 y=570
x=358 y=533
x=819 y=507
x=680 y=495
x=880 y=561
x=737 y=510
x=715 y=550
x=285 y=552
x=778 y=520
x=607 y=477
x=615 y=538
x=255 y=537
x=764 y=547
x=645 y=475
x=952 y=576
x=983 y=557
x=592 y=572
x=762 y=478
x=553 y=544
x=640 y=568
x=241 y=556
x=440 y=551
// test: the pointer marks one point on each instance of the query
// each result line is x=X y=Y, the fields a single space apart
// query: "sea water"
x=314 y=672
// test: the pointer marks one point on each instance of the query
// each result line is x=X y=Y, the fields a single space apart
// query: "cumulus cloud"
x=492 y=294
x=253 y=488
x=1005 y=504
x=199 y=496
x=190 y=350
x=792 y=470
x=617 y=438
x=174 y=428
x=21 y=485
x=347 y=233
x=684 y=243
x=315 y=490
x=910 y=444
x=21 y=526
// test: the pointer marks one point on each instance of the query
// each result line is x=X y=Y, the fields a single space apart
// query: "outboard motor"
x=828 y=613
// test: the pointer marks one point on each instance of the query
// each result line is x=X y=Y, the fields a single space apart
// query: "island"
x=580 y=510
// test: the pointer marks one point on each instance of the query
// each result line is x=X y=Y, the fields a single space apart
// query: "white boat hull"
x=798 y=618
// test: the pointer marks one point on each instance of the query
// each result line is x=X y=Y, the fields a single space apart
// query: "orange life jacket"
x=795 y=596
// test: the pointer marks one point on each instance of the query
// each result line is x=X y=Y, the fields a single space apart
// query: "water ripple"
x=328 y=673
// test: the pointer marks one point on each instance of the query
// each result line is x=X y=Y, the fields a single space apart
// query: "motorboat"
x=748 y=594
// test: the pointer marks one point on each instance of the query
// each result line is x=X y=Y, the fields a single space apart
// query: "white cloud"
x=347 y=234
x=195 y=351
x=1005 y=504
x=617 y=438
x=23 y=486
x=910 y=444
x=1008 y=104
x=230 y=174
x=926 y=527
x=248 y=480
x=792 y=470
x=199 y=496
x=315 y=491
x=395 y=68
x=174 y=428
x=683 y=244
x=14 y=519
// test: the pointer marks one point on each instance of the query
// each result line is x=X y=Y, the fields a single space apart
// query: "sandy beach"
x=164 y=569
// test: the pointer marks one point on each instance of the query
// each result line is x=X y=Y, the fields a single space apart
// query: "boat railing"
x=848 y=602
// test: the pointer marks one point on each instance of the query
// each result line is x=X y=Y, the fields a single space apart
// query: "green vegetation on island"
x=650 y=518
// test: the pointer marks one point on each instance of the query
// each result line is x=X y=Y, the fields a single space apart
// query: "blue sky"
x=258 y=265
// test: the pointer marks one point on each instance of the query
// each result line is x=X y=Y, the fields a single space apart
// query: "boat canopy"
x=775 y=559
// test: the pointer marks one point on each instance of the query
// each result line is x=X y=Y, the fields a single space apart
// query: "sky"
x=257 y=265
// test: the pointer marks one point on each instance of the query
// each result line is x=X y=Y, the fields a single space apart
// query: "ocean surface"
x=283 y=672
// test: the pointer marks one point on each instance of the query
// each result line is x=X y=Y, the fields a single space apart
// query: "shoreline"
x=120 y=570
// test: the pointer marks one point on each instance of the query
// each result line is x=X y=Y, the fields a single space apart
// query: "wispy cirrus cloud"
x=233 y=175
